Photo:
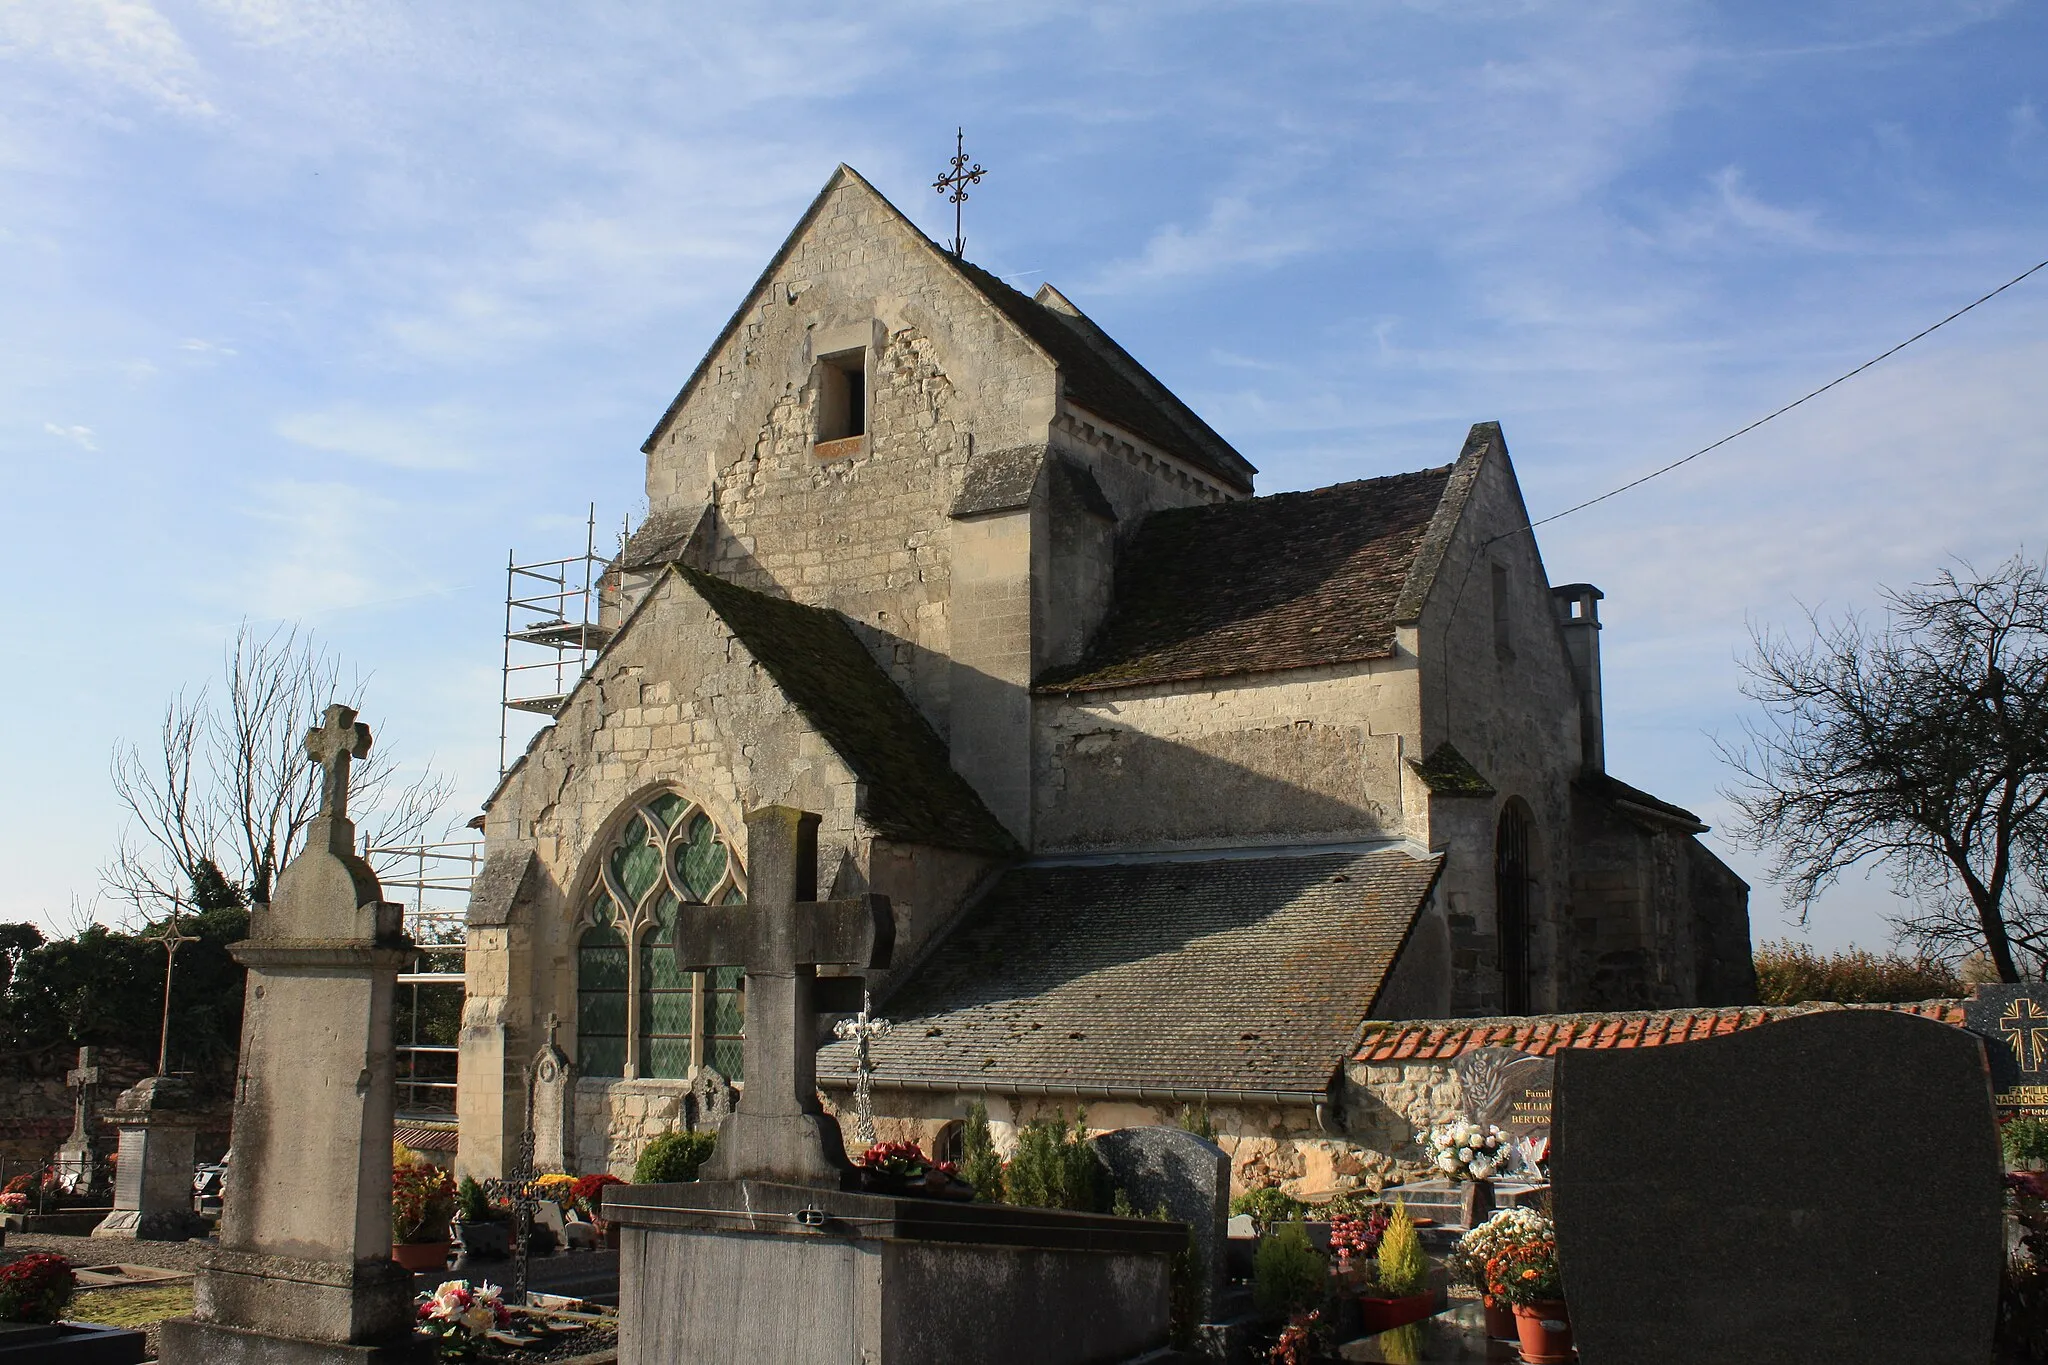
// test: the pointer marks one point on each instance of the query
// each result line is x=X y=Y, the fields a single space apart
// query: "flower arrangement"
x=459 y=1317
x=1467 y=1261
x=556 y=1187
x=422 y=1198
x=35 y=1288
x=1525 y=1270
x=904 y=1160
x=1466 y=1151
x=1297 y=1343
x=1355 y=1236
x=588 y=1193
x=14 y=1201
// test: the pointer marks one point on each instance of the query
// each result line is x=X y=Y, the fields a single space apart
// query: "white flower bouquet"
x=1466 y=1151
x=460 y=1317
x=1467 y=1261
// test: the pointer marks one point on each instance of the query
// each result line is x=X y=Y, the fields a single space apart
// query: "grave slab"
x=1823 y=1188
x=69 y=1343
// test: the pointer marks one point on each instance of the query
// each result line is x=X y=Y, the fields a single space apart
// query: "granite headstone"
x=1189 y=1177
x=2013 y=1022
x=1771 y=1196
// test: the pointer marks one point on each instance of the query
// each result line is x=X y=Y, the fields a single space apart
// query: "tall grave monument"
x=304 y=1271
x=775 y=1255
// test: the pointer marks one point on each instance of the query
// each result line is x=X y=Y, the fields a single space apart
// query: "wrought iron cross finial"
x=963 y=175
x=863 y=1028
x=337 y=740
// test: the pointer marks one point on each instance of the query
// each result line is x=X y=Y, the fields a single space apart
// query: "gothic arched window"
x=638 y=1015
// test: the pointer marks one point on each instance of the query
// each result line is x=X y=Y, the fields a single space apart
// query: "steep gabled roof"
x=1289 y=580
x=1220 y=974
x=912 y=791
x=1096 y=373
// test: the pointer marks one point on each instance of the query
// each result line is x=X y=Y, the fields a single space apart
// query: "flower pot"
x=488 y=1240
x=1383 y=1315
x=1545 y=1332
x=418 y=1256
x=1500 y=1320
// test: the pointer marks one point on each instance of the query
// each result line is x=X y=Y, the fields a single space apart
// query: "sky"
x=310 y=313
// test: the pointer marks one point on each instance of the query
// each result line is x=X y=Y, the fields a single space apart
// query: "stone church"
x=1172 y=786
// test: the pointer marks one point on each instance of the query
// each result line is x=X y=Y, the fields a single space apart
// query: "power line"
x=1838 y=379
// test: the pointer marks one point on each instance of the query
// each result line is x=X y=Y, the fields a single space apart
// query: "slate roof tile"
x=1216 y=974
x=1290 y=580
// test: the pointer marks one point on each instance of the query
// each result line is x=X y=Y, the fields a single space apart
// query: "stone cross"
x=338 y=739
x=85 y=1080
x=781 y=936
x=863 y=1028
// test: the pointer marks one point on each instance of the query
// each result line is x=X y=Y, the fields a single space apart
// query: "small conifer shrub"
x=1403 y=1269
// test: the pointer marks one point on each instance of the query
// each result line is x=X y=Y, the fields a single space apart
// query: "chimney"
x=1578 y=616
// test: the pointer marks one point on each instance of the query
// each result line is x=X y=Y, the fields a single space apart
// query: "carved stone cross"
x=781 y=936
x=338 y=739
x=85 y=1080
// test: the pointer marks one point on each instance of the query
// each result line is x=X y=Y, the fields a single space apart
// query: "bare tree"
x=227 y=791
x=1920 y=744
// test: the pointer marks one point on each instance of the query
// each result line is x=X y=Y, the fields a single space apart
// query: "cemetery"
x=992 y=889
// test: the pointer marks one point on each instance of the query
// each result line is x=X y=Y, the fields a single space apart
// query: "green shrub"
x=1269 y=1205
x=472 y=1205
x=2025 y=1140
x=1054 y=1167
x=1404 y=1270
x=672 y=1157
x=980 y=1166
x=1287 y=1273
x=1790 y=973
x=1196 y=1120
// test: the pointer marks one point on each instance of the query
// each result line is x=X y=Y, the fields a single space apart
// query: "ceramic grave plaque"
x=2013 y=1022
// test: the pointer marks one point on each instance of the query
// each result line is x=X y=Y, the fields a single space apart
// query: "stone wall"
x=36 y=1111
x=1284 y=757
x=1498 y=686
x=616 y=1119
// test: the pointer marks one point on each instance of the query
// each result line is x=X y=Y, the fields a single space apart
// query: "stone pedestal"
x=777 y=1274
x=153 y=1175
x=304 y=1270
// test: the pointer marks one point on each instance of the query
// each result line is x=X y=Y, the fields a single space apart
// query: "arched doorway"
x=1513 y=871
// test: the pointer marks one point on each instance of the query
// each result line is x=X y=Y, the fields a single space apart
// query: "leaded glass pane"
x=667 y=1059
x=725 y=1021
x=700 y=859
x=601 y=1003
x=666 y=807
x=665 y=1000
x=733 y=897
x=634 y=862
x=727 y=1055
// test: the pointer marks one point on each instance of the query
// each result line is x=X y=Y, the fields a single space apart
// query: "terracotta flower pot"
x=1545 y=1332
x=418 y=1256
x=1383 y=1315
x=1500 y=1320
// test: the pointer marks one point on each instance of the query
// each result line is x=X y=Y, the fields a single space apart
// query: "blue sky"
x=308 y=312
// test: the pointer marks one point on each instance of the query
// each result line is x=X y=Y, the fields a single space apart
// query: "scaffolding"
x=433 y=882
x=546 y=657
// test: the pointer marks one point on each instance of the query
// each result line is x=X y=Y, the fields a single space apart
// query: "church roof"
x=911 y=791
x=1217 y=974
x=1290 y=580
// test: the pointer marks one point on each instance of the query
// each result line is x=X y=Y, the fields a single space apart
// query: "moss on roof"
x=912 y=792
x=1449 y=773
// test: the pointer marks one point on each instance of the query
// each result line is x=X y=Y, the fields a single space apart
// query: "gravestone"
x=1510 y=1089
x=1189 y=1177
x=775 y=1255
x=153 y=1178
x=554 y=1103
x=304 y=1270
x=1821 y=1188
x=78 y=1159
x=2013 y=1022
x=710 y=1101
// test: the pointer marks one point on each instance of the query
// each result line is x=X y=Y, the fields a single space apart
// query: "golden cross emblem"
x=2026 y=1028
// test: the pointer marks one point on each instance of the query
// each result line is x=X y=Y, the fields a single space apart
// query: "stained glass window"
x=637 y=1013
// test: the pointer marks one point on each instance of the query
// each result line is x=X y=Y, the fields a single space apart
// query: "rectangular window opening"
x=842 y=397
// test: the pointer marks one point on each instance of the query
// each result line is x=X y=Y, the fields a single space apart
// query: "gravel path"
x=108 y=1251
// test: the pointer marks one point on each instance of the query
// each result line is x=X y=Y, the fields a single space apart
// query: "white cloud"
x=444 y=436
x=127 y=43
x=204 y=347
x=82 y=437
